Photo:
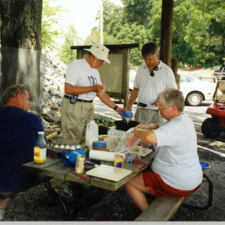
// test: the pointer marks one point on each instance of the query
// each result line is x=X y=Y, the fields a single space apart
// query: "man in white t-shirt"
x=82 y=84
x=152 y=77
x=176 y=170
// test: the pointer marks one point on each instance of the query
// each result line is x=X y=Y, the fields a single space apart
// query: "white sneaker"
x=2 y=213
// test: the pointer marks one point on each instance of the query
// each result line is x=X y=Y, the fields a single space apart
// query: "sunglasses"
x=152 y=74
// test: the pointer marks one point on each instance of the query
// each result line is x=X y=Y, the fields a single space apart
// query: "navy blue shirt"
x=18 y=135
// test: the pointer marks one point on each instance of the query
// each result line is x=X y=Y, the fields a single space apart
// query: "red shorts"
x=159 y=187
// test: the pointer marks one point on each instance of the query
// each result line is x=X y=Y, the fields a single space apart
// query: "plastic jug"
x=91 y=133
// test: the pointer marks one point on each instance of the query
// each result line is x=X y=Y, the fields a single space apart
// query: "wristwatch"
x=115 y=108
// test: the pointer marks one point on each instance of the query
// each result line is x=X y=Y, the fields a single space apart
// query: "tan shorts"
x=74 y=120
x=147 y=116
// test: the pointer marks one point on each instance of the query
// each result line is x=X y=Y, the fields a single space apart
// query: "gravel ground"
x=38 y=205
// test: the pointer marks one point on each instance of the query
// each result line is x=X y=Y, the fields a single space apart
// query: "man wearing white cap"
x=82 y=84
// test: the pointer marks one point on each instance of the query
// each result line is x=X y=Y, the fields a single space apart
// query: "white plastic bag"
x=114 y=138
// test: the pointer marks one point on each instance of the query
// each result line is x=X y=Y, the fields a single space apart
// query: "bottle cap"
x=99 y=144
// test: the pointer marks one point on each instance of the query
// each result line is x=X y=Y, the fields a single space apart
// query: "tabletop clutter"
x=115 y=147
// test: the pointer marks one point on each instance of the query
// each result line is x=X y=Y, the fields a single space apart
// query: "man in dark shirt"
x=18 y=135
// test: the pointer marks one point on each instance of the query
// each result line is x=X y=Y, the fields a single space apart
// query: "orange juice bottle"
x=40 y=149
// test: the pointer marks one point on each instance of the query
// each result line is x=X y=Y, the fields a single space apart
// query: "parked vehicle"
x=195 y=90
x=212 y=127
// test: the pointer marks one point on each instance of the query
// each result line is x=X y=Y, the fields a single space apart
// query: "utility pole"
x=101 y=23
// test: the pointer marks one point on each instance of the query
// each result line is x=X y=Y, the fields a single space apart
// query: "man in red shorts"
x=176 y=170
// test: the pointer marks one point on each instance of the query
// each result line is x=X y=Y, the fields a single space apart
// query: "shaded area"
x=22 y=66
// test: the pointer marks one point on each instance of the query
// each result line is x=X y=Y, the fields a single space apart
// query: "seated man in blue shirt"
x=18 y=135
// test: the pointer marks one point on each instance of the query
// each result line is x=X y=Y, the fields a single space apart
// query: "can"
x=79 y=166
x=118 y=161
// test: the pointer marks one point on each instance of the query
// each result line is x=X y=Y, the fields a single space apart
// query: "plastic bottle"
x=40 y=149
x=91 y=133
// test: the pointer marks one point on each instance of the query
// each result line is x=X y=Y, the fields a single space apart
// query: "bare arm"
x=148 y=127
x=106 y=99
x=73 y=90
x=133 y=97
x=147 y=136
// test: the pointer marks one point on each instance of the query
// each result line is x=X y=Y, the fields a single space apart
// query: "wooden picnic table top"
x=55 y=168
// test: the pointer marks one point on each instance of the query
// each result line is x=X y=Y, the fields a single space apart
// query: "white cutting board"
x=109 y=172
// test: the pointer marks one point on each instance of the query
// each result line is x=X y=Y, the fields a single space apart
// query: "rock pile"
x=52 y=89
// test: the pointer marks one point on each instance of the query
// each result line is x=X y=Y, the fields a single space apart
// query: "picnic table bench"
x=164 y=207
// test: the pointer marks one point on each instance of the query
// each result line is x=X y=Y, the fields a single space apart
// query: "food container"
x=121 y=125
x=118 y=161
x=79 y=166
x=99 y=145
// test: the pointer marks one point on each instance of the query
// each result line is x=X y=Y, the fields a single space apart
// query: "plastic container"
x=91 y=133
x=127 y=115
x=120 y=125
x=40 y=149
x=99 y=145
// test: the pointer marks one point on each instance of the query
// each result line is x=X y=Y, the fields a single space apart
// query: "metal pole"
x=101 y=23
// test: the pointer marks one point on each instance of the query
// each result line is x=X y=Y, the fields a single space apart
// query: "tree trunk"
x=21 y=23
x=166 y=31
x=21 y=46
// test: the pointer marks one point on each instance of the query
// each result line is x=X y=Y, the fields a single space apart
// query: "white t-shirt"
x=80 y=74
x=149 y=87
x=177 y=160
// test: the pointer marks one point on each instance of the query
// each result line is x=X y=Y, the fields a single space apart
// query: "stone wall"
x=52 y=89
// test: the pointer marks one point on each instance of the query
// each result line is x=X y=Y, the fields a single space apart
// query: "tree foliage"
x=67 y=55
x=50 y=29
x=137 y=11
x=197 y=40
x=198 y=28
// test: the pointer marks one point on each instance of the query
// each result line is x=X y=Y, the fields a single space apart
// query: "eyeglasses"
x=162 y=107
x=152 y=74
x=159 y=107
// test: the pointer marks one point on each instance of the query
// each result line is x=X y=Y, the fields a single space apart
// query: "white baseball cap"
x=99 y=51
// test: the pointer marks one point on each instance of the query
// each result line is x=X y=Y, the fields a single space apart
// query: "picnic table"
x=55 y=168
x=162 y=209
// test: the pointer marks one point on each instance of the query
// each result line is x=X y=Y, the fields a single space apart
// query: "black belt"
x=79 y=100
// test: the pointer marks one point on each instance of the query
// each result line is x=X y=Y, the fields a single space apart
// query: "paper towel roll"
x=103 y=155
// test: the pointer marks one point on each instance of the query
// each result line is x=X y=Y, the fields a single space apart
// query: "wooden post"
x=166 y=31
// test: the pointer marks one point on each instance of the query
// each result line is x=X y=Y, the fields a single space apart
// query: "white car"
x=195 y=90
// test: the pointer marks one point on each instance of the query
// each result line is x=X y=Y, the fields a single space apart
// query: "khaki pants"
x=74 y=120
x=147 y=116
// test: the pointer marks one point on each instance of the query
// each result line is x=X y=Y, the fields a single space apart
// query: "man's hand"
x=98 y=88
x=120 y=110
